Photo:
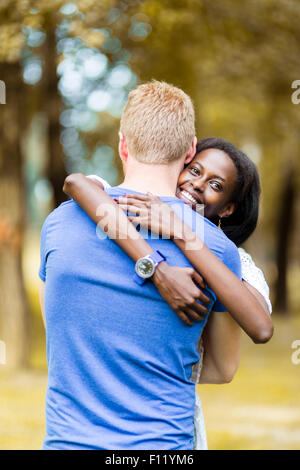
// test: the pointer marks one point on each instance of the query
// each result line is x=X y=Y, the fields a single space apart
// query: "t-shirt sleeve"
x=43 y=252
x=232 y=260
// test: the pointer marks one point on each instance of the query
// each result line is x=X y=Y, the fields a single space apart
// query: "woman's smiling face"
x=209 y=179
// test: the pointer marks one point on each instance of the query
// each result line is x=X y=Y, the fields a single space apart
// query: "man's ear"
x=123 y=149
x=191 y=152
x=227 y=210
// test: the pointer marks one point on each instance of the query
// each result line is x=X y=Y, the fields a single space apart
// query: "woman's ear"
x=191 y=152
x=227 y=210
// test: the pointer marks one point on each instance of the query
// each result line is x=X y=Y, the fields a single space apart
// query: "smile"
x=188 y=197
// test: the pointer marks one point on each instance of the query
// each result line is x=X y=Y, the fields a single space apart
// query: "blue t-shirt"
x=119 y=359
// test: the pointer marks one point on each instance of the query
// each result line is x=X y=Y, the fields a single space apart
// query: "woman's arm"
x=175 y=284
x=220 y=363
x=243 y=306
x=221 y=342
x=220 y=348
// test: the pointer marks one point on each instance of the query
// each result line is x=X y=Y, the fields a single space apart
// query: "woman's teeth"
x=189 y=197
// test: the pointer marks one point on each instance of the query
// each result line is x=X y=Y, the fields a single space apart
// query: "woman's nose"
x=198 y=183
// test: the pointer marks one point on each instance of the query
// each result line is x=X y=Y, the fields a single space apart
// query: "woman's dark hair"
x=239 y=225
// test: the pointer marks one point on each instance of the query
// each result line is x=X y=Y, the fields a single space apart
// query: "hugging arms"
x=176 y=284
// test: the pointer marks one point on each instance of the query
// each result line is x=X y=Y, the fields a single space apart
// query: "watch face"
x=144 y=268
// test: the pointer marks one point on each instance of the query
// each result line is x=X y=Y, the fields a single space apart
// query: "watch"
x=145 y=267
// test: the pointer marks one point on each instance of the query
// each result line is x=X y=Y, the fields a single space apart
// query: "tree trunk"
x=284 y=232
x=56 y=169
x=13 y=305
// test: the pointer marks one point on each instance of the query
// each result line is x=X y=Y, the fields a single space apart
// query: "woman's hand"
x=177 y=286
x=152 y=213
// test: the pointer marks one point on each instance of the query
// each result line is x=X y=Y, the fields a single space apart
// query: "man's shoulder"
x=64 y=212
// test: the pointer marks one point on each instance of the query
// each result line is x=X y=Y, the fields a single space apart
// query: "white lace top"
x=254 y=276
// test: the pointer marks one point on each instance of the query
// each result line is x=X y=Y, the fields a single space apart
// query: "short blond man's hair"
x=158 y=122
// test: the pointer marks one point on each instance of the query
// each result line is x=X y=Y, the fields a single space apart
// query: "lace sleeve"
x=196 y=371
x=106 y=185
x=252 y=274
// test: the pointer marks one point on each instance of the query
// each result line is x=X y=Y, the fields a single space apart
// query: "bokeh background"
x=66 y=69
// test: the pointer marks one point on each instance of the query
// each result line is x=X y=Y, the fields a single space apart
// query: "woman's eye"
x=194 y=170
x=216 y=186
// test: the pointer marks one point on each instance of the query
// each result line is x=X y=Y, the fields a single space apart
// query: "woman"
x=226 y=182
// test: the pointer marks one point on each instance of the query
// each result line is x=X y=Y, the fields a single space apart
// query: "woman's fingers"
x=204 y=298
x=188 y=314
x=184 y=318
x=125 y=204
x=142 y=201
x=141 y=197
x=195 y=316
x=199 y=308
x=130 y=208
x=134 y=218
x=199 y=279
x=137 y=202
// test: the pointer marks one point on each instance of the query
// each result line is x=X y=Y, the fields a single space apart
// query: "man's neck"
x=160 y=180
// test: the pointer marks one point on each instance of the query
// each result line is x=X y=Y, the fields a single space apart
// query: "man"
x=119 y=359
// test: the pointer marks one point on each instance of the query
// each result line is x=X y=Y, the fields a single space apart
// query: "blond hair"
x=158 y=122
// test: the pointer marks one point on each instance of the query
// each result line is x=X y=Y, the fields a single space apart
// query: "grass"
x=22 y=409
x=260 y=409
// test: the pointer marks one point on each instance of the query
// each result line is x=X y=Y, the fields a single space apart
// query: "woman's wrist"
x=179 y=230
x=160 y=272
x=186 y=239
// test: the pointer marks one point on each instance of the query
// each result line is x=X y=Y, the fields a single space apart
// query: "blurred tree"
x=13 y=305
x=56 y=169
x=285 y=223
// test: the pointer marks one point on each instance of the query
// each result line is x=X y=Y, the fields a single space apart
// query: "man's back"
x=119 y=358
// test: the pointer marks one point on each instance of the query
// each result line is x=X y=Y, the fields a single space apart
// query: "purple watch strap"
x=138 y=279
x=157 y=257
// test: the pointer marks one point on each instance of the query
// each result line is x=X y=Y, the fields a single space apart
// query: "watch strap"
x=138 y=279
x=157 y=257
